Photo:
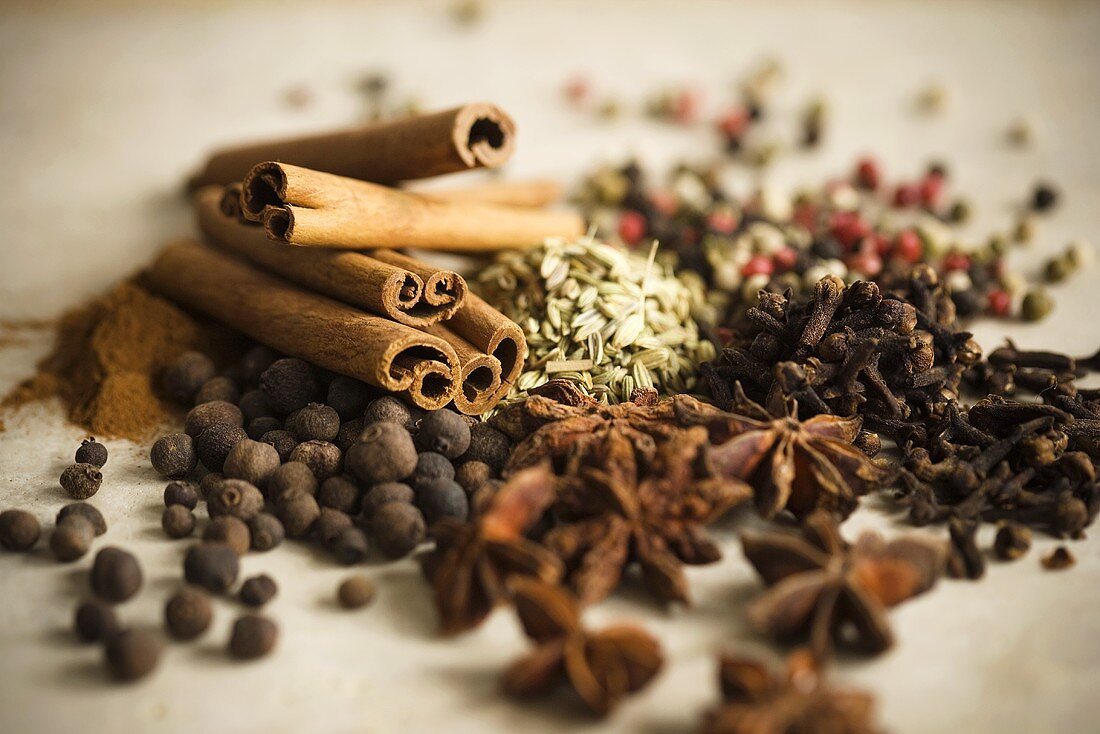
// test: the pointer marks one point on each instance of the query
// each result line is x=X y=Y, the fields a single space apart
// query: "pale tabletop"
x=107 y=105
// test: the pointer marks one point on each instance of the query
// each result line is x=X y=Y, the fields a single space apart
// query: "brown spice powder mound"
x=106 y=357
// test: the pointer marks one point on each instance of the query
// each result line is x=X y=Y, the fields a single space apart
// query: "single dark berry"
x=209 y=481
x=253 y=636
x=349 y=433
x=203 y=416
x=349 y=545
x=472 y=475
x=188 y=613
x=293 y=476
x=258 y=590
x=385 y=452
x=254 y=362
x=431 y=466
x=214 y=444
x=19 y=530
x=314 y=422
x=389 y=409
x=488 y=445
x=183 y=378
x=329 y=523
x=252 y=461
x=266 y=530
x=283 y=441
x=443 y=498
x=323 y=458
x=355 y=592
x=443 y=431
x=95 y=621
x=339 y=493
x=174 y=455
x=397 y=528
x=1058 y=559
x=289 y=384
x=132 y=654
x=177 y=521
x=349 y=397
x=254 y=404
x=297 y=511
x=116 y=575
x=1044 y=197
x=229 y=530
x=91 y=452
x=81 y=481
x=1012 y=540
x=381 y=494
x=235 y=497
x=218 y=388
x=71 y=539
x=213 y=566
x=181 y=493
x=259 y=427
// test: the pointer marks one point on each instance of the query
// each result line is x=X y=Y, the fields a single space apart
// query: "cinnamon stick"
x=534 y=194
x=297 y=322
x=471 y=136
x=305 y=207
x=388 y=284
x=479 y=373
x=496 y=335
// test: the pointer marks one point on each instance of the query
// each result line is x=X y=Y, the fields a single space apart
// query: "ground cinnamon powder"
x=107 y=356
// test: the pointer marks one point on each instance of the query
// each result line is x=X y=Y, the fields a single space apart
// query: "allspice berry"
x=329 y=523
x=132 y=654
x=254 y=404
x=86 y=511
x=174 y=455
x=384 y=493
x=314 y=422
x=385 y=452
x=289 y=384
x=181 y=493
x=258 y=427
x=349 y=545
x=488 y=445
x=349 y=433
x=431 y=466
x=472 y=475
x=116 y=575
x=445 y=432
x=389 y=409
x=177 y=521
x=95 y=621
x=283 y=441
x=297 y=511
x=214 y=444
x=258 y=590
x=255 y=361
x=209 y=481
x=213 y=566
x=188 y=613
x=91 y=452
x=349 y=397
x=251 y=461
x=235 y=497
x=71 y=539
x=442 y=498
x=229 y=530
x=293 y=476
x=218 y=388
x=397 y=528
x=355 y=592
x=323 y=458
x=183 y=378
x=339 y=493
x=81 y=481
x=203 y=416
x=19 y=530
x=253 y=636
x=267 y=531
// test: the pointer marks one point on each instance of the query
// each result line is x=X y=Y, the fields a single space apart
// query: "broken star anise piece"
x=834 y=593
x=758 y=701
x=472 y=562
x=602 y=667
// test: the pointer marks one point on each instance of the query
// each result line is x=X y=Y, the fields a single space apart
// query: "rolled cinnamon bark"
x=496 y=335
x=479 y=373
x=534 y=194
x=305 y=207
x=297 y=322
x=472 y=136
x=388 y=284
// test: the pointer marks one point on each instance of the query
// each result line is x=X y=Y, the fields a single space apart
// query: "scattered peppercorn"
x=91 y=452
x=339 y=493
x=214 y=444
x=443 y=431
x=322 y=458
x=203 y=416
x=85 y=510
x=218 y=388
x=349 y=433
x=392 y=410
x=177 y=521
x=385 y=452
x=349 y=545
x=181 y=493
x=213 y=566
x=349 y=397
x=183 y=378
x=19 y=530
x=442 y=498
x=1044 y=197
x=95 y=621
x=488 y=445
x=1036 y=305
x=235 y=497
x=381 y=494
x=258 y=590
x=298 y=511
x=266 y=531
x=174 y=455
x=188 y=613
x=397 y=528
x=71 y=539
x=81 y=481
x=229 y=530
x=209 y=481
x=293 y=476
x=283 y=441
x=116 y=575
x=253 y=637
x=289 y=384
x=254 y=404
x=472 y=475
x=355 y=592
x=314 y=422
x=251 y=461
x=132 y=654
x=329 y=523
x=1012 y=540
x=1058 y=559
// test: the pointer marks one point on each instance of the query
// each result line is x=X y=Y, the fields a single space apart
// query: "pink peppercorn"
x=577 y=90
x=849 y=229
x=906 y=195
x=784 y=259
x=685 y=107
x=1000 y=302
x=733 y=123
x=930 y=189
x=866 y=262
x=664 y=202
x=723 y=221
x=758 y=265
x=881 y=244
x=868 y=175
x=632 y=227
x=955 y=261
x=805 y=215
x=908 y=246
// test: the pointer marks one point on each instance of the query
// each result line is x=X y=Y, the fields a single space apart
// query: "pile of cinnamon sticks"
x=301 y=253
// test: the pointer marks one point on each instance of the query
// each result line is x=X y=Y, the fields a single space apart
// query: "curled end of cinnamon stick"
x=262 y=191
x=484 y=135
x=479 y=384
x=229 y=202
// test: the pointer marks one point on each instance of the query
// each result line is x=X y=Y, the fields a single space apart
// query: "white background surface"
x=105 y=106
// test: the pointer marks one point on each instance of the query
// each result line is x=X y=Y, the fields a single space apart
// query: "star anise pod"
x=473 y=562
x=833 y=592
x=758 y=701
x=602 y=667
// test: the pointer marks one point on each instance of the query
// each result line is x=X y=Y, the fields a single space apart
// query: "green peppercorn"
x=1059 y=268
x=132 y=654
x=324 y=459
x=116 y=575
x=81 y=481
x=385 y=452
x=183 y=378
x=71 y=539
x=444 y=431
x=188 y=613
x=1036 y=305
x=266 y=531
x=91 y=452
x=19 y=530
x=355 y=592
x=252 y=637
x=174 y=455
x=95 y=621
x=203 y=416
x=258 y=590
x=213 y=566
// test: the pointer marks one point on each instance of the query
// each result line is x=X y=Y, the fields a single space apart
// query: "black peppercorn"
x=181 y=493
x=1044 y=197
x=386 y=492
x=259 y=427
x=389 y=409
x=258 y=590
x=254 y=404
x=431 y=466
x=183 y=378
x=213 y=566
x=85 y=510
x=339 y=493
x=349 y=397
x=91 y=452
x=252 y=461
x=19 y=530
x=397 y=528
x=218 y=388
x=314 y=422
x=488 y=445
x=177 y=522
x=443 y=431
x=355 y=592
x=329 y=523
x=283 y=441
x=203 y=416
x=132 y=654
x=323 y=458
x=385 y=452
x=472 y=475
x=81 y=481
x=289 y=384
x=235 y=497
x=116 y=575
x=188 y=613
x=174 y=455
x=293 y=476
x=349 y=546
x=349 y=433
x=254 y=362
x=229 y=530
x=214 y=444
x=95 y=621
x=266 y=530
x=297 y=511
x=442 y=498
x=71 y=539
x=253 y=637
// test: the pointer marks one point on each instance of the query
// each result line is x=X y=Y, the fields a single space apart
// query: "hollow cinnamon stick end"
x=484 y=135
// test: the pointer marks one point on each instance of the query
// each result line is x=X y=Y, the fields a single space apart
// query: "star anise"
x=602 y=667
x=833 y=592
x=758 y=701
x=473 y=562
